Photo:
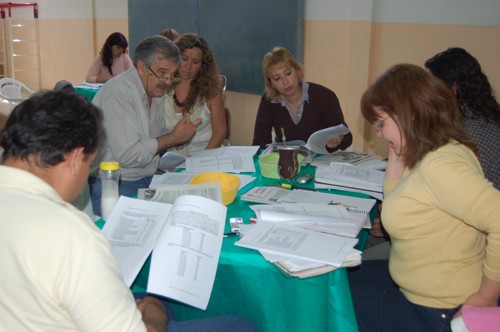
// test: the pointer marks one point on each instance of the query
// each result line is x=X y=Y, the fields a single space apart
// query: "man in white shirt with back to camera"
x=58 y=272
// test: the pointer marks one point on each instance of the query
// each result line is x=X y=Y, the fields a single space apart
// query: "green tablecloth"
x=249 y=286
x=87 y=93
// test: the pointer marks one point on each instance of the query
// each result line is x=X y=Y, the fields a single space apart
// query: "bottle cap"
x=109 y=165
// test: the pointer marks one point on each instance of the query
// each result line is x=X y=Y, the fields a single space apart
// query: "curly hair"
x=423 y=107
x=462 y=73
x=106 y=53
x=278 y=55
x=206 y=83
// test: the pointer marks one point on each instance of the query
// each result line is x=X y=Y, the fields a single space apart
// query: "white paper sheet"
x=185 y=258
x=168 y=179
x=322 y=218
x=169 y=194
x=132 y=230
x=293 y=241
x=317 y=140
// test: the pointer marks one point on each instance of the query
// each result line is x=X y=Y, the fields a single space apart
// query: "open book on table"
x=185 y=238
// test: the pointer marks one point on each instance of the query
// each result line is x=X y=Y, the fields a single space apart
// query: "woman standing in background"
x=298 y=107
x=111 y=61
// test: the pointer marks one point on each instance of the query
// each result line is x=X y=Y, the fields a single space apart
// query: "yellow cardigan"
x=443 y=217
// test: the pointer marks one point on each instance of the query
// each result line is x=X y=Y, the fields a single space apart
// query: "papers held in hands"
x=185 y=237
x=317 y=141
x=315 y=144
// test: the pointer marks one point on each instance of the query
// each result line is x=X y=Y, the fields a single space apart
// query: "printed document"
x=341 y=174
x=169 y=194
x=296 y=242
x=178 y=178
x=235 y=159
x=185 y=237
x=322 y=218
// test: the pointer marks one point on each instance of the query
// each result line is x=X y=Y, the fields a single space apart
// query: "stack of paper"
x=332 y=219
x=348 y=177
x=234 y=159
x=358 y=159
x=302 y=268
x=278 y=195
x=300 y=252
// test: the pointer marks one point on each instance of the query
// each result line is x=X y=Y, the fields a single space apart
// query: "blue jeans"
x=380 y=305
x=125 y=188
x=214 y=324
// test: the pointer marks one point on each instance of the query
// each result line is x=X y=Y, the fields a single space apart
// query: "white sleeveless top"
x=203 y=132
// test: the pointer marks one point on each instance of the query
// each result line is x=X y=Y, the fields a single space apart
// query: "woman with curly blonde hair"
x=197 y=92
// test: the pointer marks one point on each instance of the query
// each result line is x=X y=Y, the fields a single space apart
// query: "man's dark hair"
x=50 y=124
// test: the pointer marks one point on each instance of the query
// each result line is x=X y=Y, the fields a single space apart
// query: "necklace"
x=177 y=102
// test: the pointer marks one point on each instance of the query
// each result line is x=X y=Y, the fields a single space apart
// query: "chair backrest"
x=63 y=85
x=13 y=89
x=222 y=84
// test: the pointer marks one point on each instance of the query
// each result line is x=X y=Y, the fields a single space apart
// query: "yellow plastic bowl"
x=269 y=165
x=228 y=183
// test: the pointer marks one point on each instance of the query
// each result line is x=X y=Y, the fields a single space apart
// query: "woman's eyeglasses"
x=377 y=126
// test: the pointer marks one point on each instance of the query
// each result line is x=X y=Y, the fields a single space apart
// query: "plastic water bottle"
x=109 y=174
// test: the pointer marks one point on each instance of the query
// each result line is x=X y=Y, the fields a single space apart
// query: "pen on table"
x=291 y=186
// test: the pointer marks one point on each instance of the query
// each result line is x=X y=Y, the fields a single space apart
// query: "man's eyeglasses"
x=174 y=79
x=377 y=126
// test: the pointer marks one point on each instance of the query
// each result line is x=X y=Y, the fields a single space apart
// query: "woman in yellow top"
x=111 y=61
x=440 y=211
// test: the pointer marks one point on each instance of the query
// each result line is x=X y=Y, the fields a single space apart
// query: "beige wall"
x=347 y=44
x=415 y=43
x=68 y=52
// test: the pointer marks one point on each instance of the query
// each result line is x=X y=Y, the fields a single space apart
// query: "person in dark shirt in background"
x=462 y=73
x=297 y=107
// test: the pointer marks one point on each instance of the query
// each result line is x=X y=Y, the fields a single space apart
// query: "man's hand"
x=182 y=132
x=185 y=129
x=154 y=314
